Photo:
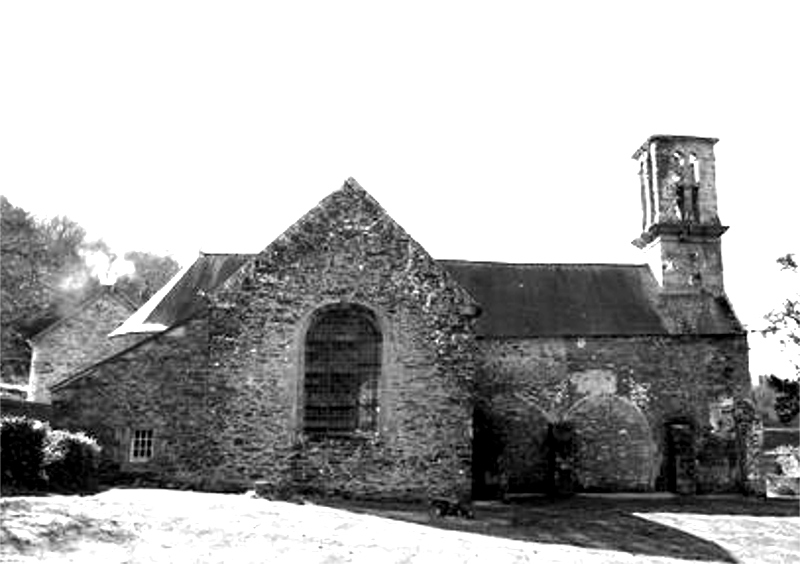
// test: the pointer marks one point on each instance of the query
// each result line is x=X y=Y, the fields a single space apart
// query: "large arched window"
x=342 y=366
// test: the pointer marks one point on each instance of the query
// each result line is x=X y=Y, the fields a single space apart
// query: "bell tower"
x=680 y=227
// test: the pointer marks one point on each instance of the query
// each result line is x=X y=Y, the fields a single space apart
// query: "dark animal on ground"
x=442 y=507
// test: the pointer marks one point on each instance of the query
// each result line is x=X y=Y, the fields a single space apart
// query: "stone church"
x=344 y=359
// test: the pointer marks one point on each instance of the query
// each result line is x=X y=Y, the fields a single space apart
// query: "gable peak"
x=353 y=184
x=350 y=190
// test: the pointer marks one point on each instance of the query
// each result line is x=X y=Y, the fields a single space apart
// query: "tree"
x=150 y=273
x=21 y=283
x=23 y=293
x=47 y=266
x=36 y=258
x=65 y=263
x=39 y=261
x=784 y=323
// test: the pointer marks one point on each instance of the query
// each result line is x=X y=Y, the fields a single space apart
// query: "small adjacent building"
x=344 y=359
x=77 y=339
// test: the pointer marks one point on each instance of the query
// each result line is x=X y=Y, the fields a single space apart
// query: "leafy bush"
x=71 y=461
x=788 y=460
x=783 y=486
x=21 y=451
x=787 y=401
x=35 y=457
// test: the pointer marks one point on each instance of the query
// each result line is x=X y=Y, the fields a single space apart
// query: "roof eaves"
x=462 y=262
x=573 y=335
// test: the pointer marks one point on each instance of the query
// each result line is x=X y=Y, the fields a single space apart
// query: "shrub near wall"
x=21 y=452
x=784 y=481
x=35 y=457
x=71 y=461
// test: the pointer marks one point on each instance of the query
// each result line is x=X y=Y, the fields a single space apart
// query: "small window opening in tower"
x=685 y=169
x=680 y=197
x=694 y=163
x=678 y=161
x=646 y=193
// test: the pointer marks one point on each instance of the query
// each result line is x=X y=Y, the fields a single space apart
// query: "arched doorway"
x=614 y=448
x=342 y=365
x=510 y=448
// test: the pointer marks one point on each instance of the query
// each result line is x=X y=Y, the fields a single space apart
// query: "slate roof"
x=516 y=300
x=182 y=296
x=526 y=300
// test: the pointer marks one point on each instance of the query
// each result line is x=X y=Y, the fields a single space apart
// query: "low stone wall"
x=34 y=410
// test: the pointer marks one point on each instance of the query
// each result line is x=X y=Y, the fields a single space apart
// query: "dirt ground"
x=148 y=525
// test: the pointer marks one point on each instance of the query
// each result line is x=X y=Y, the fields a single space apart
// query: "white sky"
x=490 y=131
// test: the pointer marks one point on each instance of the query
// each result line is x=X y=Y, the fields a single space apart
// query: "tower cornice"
x=689 y=232
x=671 y=138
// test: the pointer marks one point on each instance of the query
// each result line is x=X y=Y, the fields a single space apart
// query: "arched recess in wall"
x=614 y=448
x=341 y=371
x=510 y=447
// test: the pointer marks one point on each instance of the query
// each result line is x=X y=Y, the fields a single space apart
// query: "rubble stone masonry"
x=160 y=385
x=75 y=341
x=347 y=250
x=620 y=394
x=225 y=392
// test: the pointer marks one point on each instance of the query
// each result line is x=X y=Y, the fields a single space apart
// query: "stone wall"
x=225 y=393
x=511 y=446
x=347 y=250
x=620 y=394
x=687 y=263
x=160 y=384
x=75 y=341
